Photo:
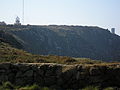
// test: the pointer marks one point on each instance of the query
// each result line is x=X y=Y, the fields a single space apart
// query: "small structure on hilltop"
x=17 y=21
x=113 y=30
x=2 y=23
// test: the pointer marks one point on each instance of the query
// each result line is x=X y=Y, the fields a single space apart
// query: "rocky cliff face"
x=61 y=76
x=74 y=41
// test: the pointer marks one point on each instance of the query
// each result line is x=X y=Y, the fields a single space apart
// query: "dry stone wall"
x=61 y=76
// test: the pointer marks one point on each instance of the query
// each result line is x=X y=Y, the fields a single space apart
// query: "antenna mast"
x=23 y=12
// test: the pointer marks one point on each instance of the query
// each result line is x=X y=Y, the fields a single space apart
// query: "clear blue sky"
x=102 y=13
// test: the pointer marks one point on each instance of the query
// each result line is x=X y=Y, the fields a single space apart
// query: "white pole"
x=23 y=12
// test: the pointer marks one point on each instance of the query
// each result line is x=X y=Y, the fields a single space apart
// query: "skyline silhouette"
x=102 y=13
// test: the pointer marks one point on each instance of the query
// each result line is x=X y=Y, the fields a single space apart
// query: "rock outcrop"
x=61 y=76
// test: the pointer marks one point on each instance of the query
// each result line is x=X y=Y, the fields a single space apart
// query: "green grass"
x=10 y=86
x=7 y=86
x=91 y=88
x=33 y=87
x=110 y=88
x=13 y=55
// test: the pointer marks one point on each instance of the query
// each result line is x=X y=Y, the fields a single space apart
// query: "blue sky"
x=102 y=13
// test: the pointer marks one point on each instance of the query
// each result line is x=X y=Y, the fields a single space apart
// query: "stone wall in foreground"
x=61 y=76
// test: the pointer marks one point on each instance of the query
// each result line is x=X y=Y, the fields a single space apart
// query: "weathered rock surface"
x=63 y=76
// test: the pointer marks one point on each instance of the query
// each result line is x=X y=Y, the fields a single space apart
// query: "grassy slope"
x=9 y=28
x=10 y=54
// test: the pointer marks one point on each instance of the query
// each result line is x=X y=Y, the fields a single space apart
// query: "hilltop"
x=74 y=41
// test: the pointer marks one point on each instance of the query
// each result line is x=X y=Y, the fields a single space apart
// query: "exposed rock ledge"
x=63 y=76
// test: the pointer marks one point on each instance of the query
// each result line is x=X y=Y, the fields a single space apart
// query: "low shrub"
x=8 y=85
x=45 y=88
x=91 y=88
x=110 y=88
x=33 y=87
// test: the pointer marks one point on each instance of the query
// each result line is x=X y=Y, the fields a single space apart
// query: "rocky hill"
x=74 y=41
x=59 y=72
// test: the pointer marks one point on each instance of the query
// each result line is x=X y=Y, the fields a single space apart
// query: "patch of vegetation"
x=110 y=88
x=33 y=87
x=13 y=55
x=10 y=86
x=7 y=86
x=91 y=88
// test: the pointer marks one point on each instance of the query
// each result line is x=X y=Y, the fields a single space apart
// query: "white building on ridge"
x=17 y=21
